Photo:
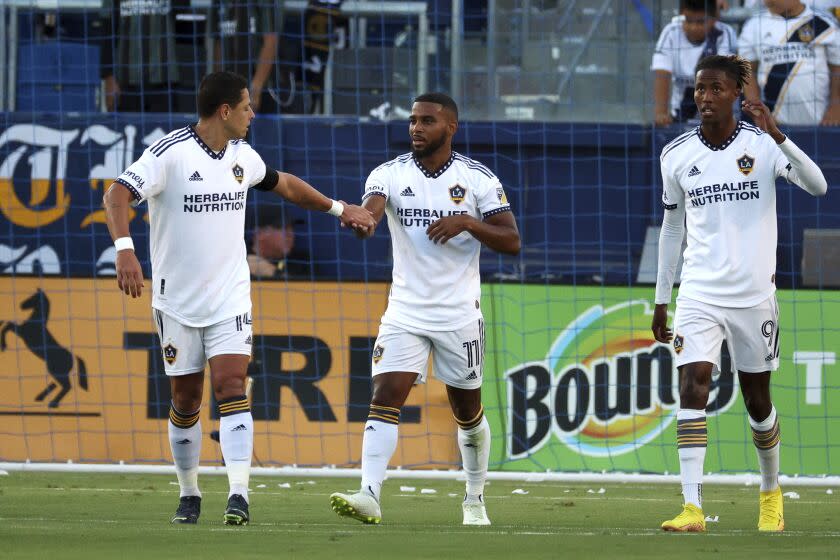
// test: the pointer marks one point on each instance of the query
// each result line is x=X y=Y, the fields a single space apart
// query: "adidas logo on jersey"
x=239 y=428
x=694 y=171
x=370 y=429
x=472 y=375
x=183 y=442
x=196 y=177
x=249 y=340
x=407 y=192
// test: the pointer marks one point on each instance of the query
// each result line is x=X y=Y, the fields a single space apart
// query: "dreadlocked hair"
x=737 y=68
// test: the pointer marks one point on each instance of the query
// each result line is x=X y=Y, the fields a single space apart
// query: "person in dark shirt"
x=272 y=253
x=245 y=42
x=140 y=63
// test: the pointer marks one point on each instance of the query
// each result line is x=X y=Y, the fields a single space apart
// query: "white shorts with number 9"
x=457 y=356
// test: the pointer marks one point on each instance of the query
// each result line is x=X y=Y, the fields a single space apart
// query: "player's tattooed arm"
x=498 y=232
x=117 y=201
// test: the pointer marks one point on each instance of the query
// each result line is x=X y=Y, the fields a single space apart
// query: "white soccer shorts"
x=457 y=356
x=751 y=333
x=186 y=349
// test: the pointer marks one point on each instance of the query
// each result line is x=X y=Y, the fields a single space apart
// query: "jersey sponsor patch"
x=746 y=164
x=457 y=193
x=238 y=173
x=500 y=194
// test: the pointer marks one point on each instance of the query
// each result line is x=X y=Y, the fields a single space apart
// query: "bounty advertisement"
x=579 y=383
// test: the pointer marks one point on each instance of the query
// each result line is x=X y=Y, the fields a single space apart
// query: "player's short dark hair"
x=440 y=99
x=217 y=89
x=737 y=68
x=708 y=7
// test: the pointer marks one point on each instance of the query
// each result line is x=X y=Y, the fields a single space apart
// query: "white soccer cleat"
x=360 y=506
x=475 y=513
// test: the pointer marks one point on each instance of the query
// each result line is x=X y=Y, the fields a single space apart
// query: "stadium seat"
x=57 y=77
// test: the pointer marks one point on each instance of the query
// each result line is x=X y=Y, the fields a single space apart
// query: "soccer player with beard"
x=441 y=207
x=196 y=181
x=719 y=183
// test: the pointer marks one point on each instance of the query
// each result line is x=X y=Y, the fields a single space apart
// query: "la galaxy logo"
x=170 y=353
x=805 y=33
x=457 y=193
x=678 y=343
x=377 y=353
x=238 y=173
x=746 y=164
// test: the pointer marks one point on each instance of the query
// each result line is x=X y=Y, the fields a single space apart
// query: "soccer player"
x=795 y=54
x=441 y=207
x=196 y=180
x=720 y=180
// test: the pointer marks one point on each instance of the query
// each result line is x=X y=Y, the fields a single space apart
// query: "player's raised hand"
x=659 y=326
x=763 y=118
x=129 y=273
x=444 y=229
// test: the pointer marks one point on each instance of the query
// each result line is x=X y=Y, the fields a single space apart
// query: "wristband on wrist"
x=123 y=243
x=337 y=209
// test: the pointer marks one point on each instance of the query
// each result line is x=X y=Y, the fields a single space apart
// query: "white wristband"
x=337 y=209
x=123 y=243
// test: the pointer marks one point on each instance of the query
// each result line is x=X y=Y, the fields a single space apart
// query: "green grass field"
x=93 y=516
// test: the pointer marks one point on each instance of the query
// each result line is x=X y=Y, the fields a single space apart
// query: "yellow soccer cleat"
x=771 y=516
x=691 y=520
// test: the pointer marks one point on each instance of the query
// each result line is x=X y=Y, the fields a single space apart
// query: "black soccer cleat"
x=188 y=510
x=237 y=511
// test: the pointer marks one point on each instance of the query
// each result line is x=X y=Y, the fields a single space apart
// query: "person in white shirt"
x=694 y=34
x=795 y=56
x=719 y=183
x=441 y=207
x=196 y=181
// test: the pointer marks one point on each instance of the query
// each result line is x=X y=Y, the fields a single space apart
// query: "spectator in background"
x=795 y=55
x=245 y=42
x=140 y=67
x=324 y=28
x=695 y=34
x=272 y=253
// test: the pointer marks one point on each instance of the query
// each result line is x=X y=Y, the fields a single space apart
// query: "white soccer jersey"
x=793 y=57
x=197 y=217
x=676 y=54
x=435 y=287
x=729 y=195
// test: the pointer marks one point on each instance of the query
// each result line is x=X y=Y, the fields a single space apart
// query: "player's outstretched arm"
x=298 y=191
x=803 y=171
x=117 y=201
x=498 y=232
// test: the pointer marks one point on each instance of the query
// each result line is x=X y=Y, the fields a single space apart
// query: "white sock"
x=474 y=444
x=185 y=444
x=378 y=445
x=767 y=440
x=692 y=438
x=236 y=436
